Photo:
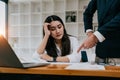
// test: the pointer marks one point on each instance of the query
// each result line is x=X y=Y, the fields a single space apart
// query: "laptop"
x=8 y=58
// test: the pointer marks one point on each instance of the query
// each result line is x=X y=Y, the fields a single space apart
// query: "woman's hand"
x=46 y=57
x=42 y=46
x=46 y=30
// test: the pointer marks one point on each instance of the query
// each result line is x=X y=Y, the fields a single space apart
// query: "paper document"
x=30 y=59
x=85 y=66
x=61 y=63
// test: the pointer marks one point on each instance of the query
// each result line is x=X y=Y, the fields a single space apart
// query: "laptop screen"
x=7 y=55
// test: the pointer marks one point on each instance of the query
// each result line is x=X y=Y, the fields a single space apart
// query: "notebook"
x=8 y=58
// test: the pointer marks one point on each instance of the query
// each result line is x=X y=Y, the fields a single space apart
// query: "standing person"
x=107 y=37
x=57 y=45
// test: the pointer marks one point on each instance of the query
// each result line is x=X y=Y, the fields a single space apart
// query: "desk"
x=58 y=69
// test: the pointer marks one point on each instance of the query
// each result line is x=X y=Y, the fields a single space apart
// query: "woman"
x=57 y=45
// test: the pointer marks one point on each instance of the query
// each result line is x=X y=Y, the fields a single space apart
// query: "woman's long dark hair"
x=51 y=47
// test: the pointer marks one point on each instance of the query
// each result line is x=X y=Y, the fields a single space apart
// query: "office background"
x=25 y=19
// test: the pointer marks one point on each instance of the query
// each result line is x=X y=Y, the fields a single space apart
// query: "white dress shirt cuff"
x=89 y=30
x=100 y=37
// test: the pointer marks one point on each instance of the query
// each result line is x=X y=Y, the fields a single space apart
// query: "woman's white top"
x=73 y=56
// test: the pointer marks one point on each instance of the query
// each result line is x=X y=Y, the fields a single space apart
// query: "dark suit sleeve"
x=88 y=14
x=108 y=21
x=112 y=26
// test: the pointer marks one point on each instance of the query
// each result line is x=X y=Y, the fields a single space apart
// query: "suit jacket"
x=108 y=25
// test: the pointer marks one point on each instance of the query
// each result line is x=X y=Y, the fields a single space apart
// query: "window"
x=3 y=17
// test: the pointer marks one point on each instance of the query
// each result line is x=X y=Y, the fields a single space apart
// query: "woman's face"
x=57 y=30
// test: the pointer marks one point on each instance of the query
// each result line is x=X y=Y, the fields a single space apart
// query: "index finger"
x=80 y=48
